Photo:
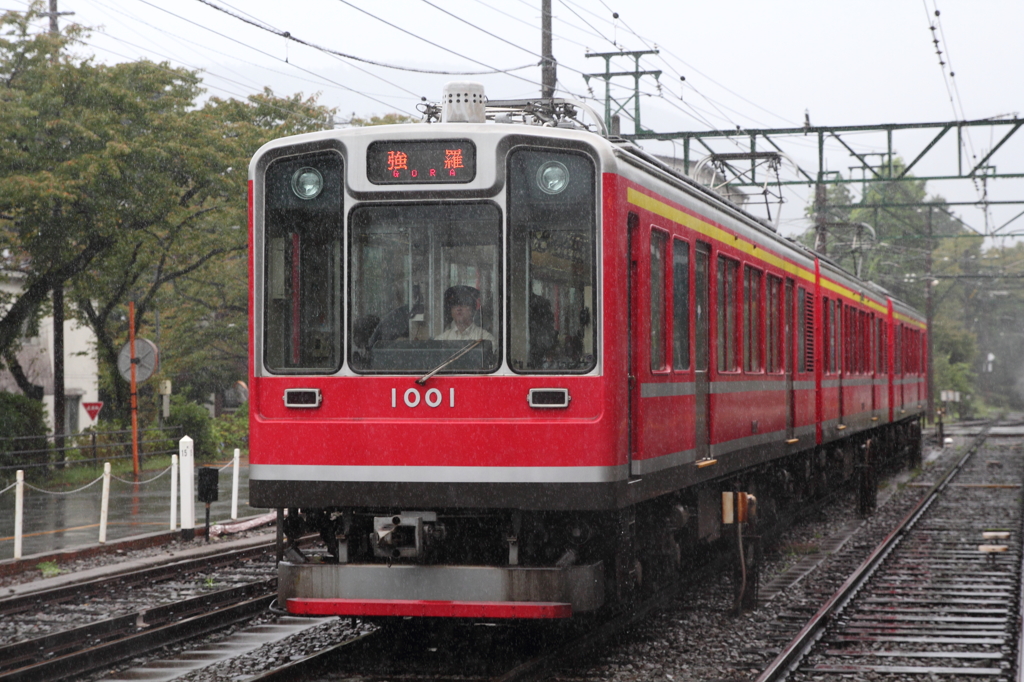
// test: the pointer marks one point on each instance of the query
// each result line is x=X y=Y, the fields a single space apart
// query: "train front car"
x=431 y=390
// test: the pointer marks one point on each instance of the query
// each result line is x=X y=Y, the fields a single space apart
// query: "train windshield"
x=425 y=286
x=551 y=207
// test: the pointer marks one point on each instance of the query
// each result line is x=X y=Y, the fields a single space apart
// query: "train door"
x=702 y=316
x=633 y=261
x=789 y=352
x=842 y=367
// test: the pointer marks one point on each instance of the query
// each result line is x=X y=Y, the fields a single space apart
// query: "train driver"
x=462 y=307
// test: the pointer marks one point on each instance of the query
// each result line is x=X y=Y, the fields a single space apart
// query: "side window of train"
x=773 y=324
x=659 y=241
x=303 y=264
x=831 y=336
x=728 y=308
x=680 y=305
x=752 y=297
x=552 y=313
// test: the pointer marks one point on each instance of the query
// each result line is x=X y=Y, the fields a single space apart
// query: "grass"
x=50 y=569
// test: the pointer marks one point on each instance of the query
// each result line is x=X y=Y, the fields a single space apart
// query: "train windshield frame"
x=425 y=284
x=552 y=242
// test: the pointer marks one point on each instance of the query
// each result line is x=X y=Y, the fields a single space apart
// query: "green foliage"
x=23 y=419
x=120 y=184
x=926 y=249
x=194 y=420
x=49 y=569
x=231 y=430
x=386 y=119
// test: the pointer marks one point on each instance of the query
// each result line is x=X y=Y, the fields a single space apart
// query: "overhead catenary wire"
x=288 y=36
x=267 y=54
x=430 y=42
x=226 y=91
x=559 y=36
x=934 y=19
x=257 y=87
x=662 y=49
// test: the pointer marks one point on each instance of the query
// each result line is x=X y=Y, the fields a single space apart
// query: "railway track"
x=474 y=652
x=939 y=598
x=67 y=631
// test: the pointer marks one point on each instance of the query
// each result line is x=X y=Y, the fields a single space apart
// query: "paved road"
x=56 y=522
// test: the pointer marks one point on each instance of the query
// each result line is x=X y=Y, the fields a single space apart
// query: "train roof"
x=560 y=118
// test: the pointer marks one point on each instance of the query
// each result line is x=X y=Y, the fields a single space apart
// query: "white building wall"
x=81 y=368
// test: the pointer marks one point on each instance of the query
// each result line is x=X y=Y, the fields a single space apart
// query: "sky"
x=746 y=63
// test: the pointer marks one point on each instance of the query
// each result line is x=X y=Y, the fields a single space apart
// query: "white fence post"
x=19 y=511
x=188 y=505
x=174 y=492
x=234 y=488
x=105 y=502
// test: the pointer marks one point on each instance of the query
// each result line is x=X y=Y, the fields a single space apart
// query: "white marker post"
x=174 y=492
x=105 y=503
x=19 y=510
x=234 y=487
x=188 y=505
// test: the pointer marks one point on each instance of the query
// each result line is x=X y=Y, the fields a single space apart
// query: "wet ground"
x=59 y=519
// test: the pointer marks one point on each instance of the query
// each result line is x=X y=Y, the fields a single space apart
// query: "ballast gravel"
x=693 y=639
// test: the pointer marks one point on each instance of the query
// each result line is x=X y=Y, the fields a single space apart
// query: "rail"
x=789 y=658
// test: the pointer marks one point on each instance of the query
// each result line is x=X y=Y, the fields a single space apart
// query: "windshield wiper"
x=423 y=379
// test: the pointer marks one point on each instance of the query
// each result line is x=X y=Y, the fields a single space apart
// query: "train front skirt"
x=376 y=590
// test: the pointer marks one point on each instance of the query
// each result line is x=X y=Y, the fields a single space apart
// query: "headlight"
x=307 y=183
x=552 y=177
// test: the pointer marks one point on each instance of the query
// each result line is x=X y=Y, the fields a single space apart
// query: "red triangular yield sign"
x=93 y=409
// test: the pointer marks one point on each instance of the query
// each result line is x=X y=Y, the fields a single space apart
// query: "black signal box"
x=208 y=479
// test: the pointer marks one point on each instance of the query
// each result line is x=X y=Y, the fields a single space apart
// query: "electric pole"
x=929 y=314
x=548 y=68
x=607 y=76
x=59 y=399
x=820 y=234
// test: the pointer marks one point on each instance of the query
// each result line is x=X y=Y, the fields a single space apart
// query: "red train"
x=505 y=366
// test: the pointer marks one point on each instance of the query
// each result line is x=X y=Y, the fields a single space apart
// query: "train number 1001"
x=431 y=398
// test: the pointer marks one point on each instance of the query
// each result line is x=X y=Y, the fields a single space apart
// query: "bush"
x=194 y=421
x=231 y=430
x=20 y=417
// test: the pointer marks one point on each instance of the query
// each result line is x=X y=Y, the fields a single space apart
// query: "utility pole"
x=820 y=202
x=59 y=399
x=929 y=385
x=548 y=68
x=607 y=76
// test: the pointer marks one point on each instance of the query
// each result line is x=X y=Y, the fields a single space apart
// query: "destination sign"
x=411 y=162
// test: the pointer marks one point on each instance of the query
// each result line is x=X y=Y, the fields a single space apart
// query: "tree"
x=386 y=119
x=117 y=184
x=191 y=268
x=50 y=229
x=910 y=243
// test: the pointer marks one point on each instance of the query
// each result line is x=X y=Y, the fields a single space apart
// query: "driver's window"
x=424 y=281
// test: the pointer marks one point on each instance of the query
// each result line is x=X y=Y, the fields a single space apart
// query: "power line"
x=256 y=86
x=267 y=54
x=288 y=36
x=280 y=108
x=482 y=30
x=430 y=42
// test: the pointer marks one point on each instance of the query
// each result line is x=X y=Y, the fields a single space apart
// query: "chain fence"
x=181 y=464
x=35 y=453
